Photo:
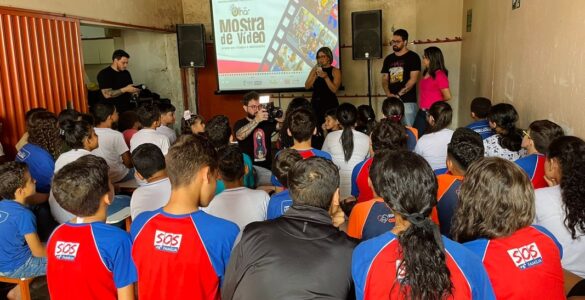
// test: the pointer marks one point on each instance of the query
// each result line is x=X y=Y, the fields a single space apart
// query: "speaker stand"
x=369 y=80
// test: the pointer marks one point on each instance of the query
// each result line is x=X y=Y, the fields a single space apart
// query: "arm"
x=34 y=243
x=127 y=159
x=410 y=83
x=334 y=84
x=111 y=93
x=446 y=94
x=244 y=132
x=126 y=293
x=311 y=78
x=37 y=198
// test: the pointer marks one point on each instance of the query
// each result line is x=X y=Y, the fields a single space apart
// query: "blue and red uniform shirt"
x=181 y=256
x=376 y=268
x=447 y=200
x=89 y=261
x=524 y=265
x=370 y=219
x=360 y=188
x=533 y=165
x=304 y=154
x=278 y=204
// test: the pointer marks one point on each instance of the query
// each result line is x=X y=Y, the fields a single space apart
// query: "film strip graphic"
x=298 y=36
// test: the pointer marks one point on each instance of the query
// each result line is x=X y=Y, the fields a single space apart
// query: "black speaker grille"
x=366 y=34
x=191 y=45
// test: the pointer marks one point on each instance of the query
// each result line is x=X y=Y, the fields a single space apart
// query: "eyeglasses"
x=394 y=42
x=254 y=106
x=526 y=134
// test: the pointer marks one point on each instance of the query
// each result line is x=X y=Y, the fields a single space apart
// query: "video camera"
x=274 y=112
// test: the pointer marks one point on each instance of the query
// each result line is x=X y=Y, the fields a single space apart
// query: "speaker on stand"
x=192 y=51
x=366 y=36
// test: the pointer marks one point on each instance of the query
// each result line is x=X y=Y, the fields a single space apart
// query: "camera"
x=274 y=112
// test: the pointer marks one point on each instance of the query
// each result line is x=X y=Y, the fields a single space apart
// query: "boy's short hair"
x=301 y=125
x=118 y=54
x=165 y=108
x=148 y=114
x=466 y=146
x=187 y=156
x=148 y=159
x=313 y=181
x=231 y=164
x=480 y=106
x=283 y=163
x=79 y=185
x=543 y=132
x=127 y=120
x=250 y=96
x=218 y=131
x=102 y=110
x=388 y=135
x=12 y=178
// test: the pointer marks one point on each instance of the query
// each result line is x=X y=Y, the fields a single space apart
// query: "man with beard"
x=116 y=83
x=254 y=132
x=400 y=74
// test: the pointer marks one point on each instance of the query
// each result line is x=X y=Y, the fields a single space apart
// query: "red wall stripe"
x=40 y=66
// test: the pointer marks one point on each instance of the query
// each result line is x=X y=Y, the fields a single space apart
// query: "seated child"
x=393 y=110
x=331 y=123
x=112 y=147
x=281 y=200
x=88 y=258
x=192 y=123
x=237 y=203
x=466 y=146
x=21 y=252
x=493 y=220
x=191 y=248
x=480 y=107
x=167 y=120
x=150 y=167
x=149 y=117
x=128 y=125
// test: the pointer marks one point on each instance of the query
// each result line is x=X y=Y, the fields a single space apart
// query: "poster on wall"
x=271 y=44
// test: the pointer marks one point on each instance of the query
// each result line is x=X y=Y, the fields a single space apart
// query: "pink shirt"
x=128 y=133
x=430 y=89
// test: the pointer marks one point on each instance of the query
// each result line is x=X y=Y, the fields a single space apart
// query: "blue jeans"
x=128 y=176
x=32 y=267
x=410 y=109
x=119 y=202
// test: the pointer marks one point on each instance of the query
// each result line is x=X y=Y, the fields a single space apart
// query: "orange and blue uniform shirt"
x=181 y=256
x=89 y=261
x=370 y=219
x=447 y=200
x=533 y=165
x=412 y=138
x=524 y=265
x=378 y=272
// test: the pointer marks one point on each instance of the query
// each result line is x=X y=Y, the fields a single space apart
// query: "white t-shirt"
x=550 y=214
x=150 y=196
x=111 y=147
x=168 y=132
x=493 y=149
x=60 y=214
x=148 y=135
x=433 y=147
x=240 y=205
x=361 y=150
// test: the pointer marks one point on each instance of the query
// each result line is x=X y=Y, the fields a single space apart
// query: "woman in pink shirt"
x=434 y=85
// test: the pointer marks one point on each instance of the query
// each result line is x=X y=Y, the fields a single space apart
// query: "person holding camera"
x=254 y=132
x=325 y=80
x=116 y=83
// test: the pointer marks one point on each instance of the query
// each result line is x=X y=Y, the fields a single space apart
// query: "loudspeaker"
x=191 y=45
x=366 y=34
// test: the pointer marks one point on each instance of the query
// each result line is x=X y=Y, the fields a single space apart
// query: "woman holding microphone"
x=325 y=80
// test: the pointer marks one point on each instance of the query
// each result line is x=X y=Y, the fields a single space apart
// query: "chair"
x=23 y=284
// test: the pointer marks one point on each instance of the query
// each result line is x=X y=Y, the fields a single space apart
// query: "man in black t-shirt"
x=116 y=83
x=400 y=73
x=254 y=132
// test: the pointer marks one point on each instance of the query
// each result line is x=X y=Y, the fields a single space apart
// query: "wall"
x=410 y=15
x=163 y=14
x=531 y=57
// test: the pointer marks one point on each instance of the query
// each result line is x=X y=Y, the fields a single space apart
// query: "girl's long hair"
x=347 y=116
x=43 y=131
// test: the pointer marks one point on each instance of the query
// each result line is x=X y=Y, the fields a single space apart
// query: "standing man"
x=254 y=132
x=116 y=83
x=400 y=74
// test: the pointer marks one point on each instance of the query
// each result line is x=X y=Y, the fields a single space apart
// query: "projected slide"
x=271 y=44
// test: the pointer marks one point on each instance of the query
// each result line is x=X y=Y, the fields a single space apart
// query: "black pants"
x=420 y=122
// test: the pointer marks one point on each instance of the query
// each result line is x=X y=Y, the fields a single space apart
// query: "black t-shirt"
x=258 y=144
x=398 y=69
x=109 y=78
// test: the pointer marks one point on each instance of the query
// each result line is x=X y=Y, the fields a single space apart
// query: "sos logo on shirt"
x=66 y=250
x=166 y=241
x=526 y=256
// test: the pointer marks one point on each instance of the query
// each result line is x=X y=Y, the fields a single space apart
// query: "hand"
x=130 y=89
x=321 y=74
x=324 y=126
x=261 y=115
x=337 y=215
